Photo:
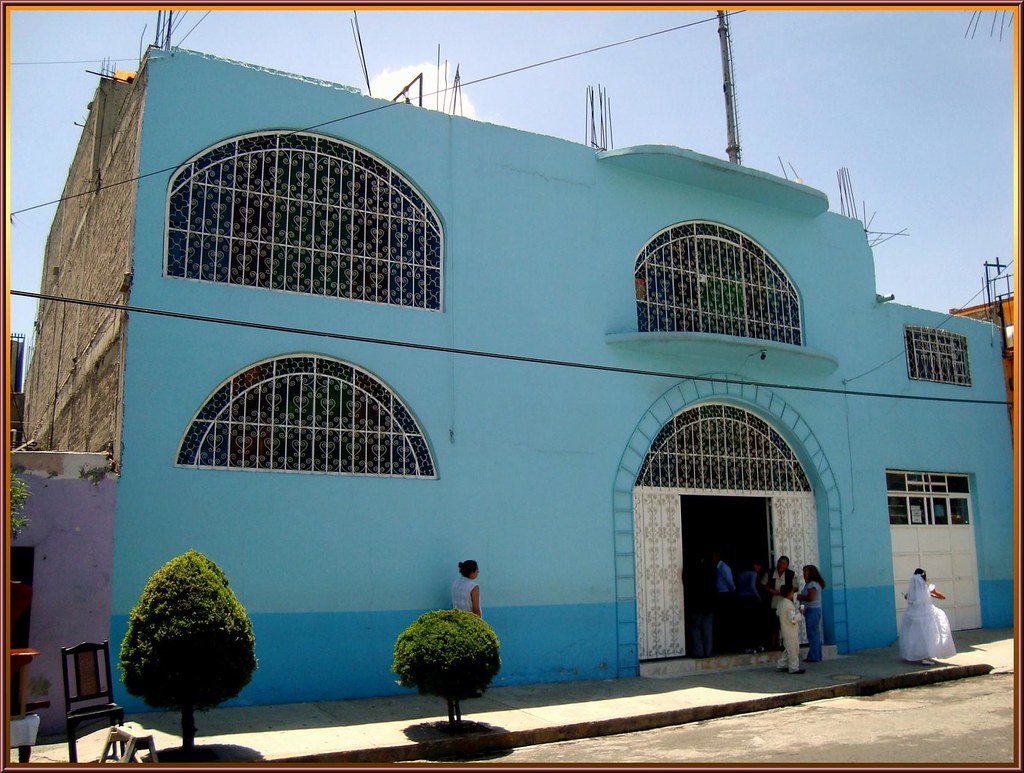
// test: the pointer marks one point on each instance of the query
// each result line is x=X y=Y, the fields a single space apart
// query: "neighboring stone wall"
x=73 y=386
x=71 y=529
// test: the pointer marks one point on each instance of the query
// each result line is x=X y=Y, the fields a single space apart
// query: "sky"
x=917 y=105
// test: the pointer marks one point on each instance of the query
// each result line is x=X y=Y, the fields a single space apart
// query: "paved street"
x=965 y=721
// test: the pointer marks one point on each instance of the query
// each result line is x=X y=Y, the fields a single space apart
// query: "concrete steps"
x=669 y=668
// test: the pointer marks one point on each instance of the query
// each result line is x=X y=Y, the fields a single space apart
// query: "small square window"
x=895 y=481
x=957 y=484
x=898 y=510
x=958 y=511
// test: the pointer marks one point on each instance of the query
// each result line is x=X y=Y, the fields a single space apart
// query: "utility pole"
x=725 y=40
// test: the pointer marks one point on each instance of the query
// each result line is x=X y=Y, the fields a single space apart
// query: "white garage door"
x=931 y=528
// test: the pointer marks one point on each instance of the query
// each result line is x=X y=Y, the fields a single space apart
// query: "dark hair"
x=783 y=558
x=815 y=575
x=467 y=568
x=921 y=572
x=786 y=589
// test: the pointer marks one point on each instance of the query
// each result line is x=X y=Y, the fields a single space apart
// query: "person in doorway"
x=699 y=606
x=725 y=594
x=789 y=631
x=773 y=583
x=749 y=622
x=924 y=630
x=466 y=590
x=810 y=598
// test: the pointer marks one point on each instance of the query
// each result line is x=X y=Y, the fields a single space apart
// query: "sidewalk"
x=410 y=727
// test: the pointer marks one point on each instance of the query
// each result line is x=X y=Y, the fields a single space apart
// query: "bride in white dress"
x=924 y=631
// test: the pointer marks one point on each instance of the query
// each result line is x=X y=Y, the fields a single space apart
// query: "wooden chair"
x=88 y=693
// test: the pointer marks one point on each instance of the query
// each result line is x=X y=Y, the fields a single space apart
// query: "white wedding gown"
x=924 y=631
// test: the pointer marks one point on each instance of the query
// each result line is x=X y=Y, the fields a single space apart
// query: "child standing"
x=789 y=627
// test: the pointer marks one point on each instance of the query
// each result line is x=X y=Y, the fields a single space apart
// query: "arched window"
x=309 y=214
x=706 y=278
x=309 y=414
x=721 y=447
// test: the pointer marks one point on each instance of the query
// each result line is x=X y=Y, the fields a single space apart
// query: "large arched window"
x=703 y=277
x=720 y=447
x=310 y=414
x=309 y=214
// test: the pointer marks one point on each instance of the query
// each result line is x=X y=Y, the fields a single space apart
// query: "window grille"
x=303 y=213
x=928 y=498
x=934 y=354
x=721 y=447
x=309 y=414
x=702 y=277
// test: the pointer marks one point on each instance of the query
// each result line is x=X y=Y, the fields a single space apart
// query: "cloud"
x=390 y=83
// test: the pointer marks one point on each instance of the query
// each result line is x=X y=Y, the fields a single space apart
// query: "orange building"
x=1001 y=313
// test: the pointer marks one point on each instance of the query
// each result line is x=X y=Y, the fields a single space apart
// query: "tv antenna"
x=848 y=208
x=729 y=86
x=456 y=92
x=598 y=131
x=164 y=28
x=354 y=22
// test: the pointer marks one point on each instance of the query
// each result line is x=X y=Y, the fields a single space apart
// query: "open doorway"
x=738 y=527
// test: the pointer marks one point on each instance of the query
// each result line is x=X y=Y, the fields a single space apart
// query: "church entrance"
x=738 y=529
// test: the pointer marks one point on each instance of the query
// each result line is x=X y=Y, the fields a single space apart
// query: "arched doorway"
x=706 y=477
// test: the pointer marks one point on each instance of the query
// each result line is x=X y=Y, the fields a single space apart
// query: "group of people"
x=753 y=610
x=764 y=609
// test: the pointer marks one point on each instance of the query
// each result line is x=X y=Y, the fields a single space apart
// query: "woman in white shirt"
x=466 y=590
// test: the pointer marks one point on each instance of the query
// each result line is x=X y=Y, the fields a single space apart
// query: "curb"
x=502 y=740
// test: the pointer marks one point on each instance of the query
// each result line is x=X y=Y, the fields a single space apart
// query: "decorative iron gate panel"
x=659 y=566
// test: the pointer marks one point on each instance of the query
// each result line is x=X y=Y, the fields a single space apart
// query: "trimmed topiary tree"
x=448 y=653
x=189 y=644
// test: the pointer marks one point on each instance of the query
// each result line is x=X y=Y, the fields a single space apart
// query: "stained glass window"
x=701 y=277
x=308 y=414
x=307 y=214
x=720 y=447
x=934 y=354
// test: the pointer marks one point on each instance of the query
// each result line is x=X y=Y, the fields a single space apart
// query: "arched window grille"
x=308 y=414
x=720 y=447
x=303 y=213
x=703 y=277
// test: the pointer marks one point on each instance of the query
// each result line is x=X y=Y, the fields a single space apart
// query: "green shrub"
x=18 y=493
x=189 y=644
x=448 y=653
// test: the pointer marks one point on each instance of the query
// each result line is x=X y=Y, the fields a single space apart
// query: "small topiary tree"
x=448 y=653
x=189 y=644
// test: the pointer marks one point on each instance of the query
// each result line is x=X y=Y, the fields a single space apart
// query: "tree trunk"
x=188 y=728
x=454 y=712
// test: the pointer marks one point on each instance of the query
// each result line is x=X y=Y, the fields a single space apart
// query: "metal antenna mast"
x=725 y=39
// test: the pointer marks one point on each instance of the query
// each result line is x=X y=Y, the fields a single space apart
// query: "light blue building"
x=580 y=368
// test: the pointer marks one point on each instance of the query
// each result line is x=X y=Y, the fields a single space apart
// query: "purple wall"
x=71 y=513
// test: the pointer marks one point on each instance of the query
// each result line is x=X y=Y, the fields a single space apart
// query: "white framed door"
x=947 y=554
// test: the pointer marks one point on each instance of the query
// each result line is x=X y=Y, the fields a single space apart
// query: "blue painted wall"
x=540 y=241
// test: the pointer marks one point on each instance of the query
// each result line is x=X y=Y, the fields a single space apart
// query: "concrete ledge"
x=483 y=742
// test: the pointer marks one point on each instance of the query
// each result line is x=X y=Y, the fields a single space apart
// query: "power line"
x=194 y=27
x=903 y=350
x=492 y=355
x=386 y=106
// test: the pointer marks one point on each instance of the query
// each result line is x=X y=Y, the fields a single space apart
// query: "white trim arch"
x=767 y=404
